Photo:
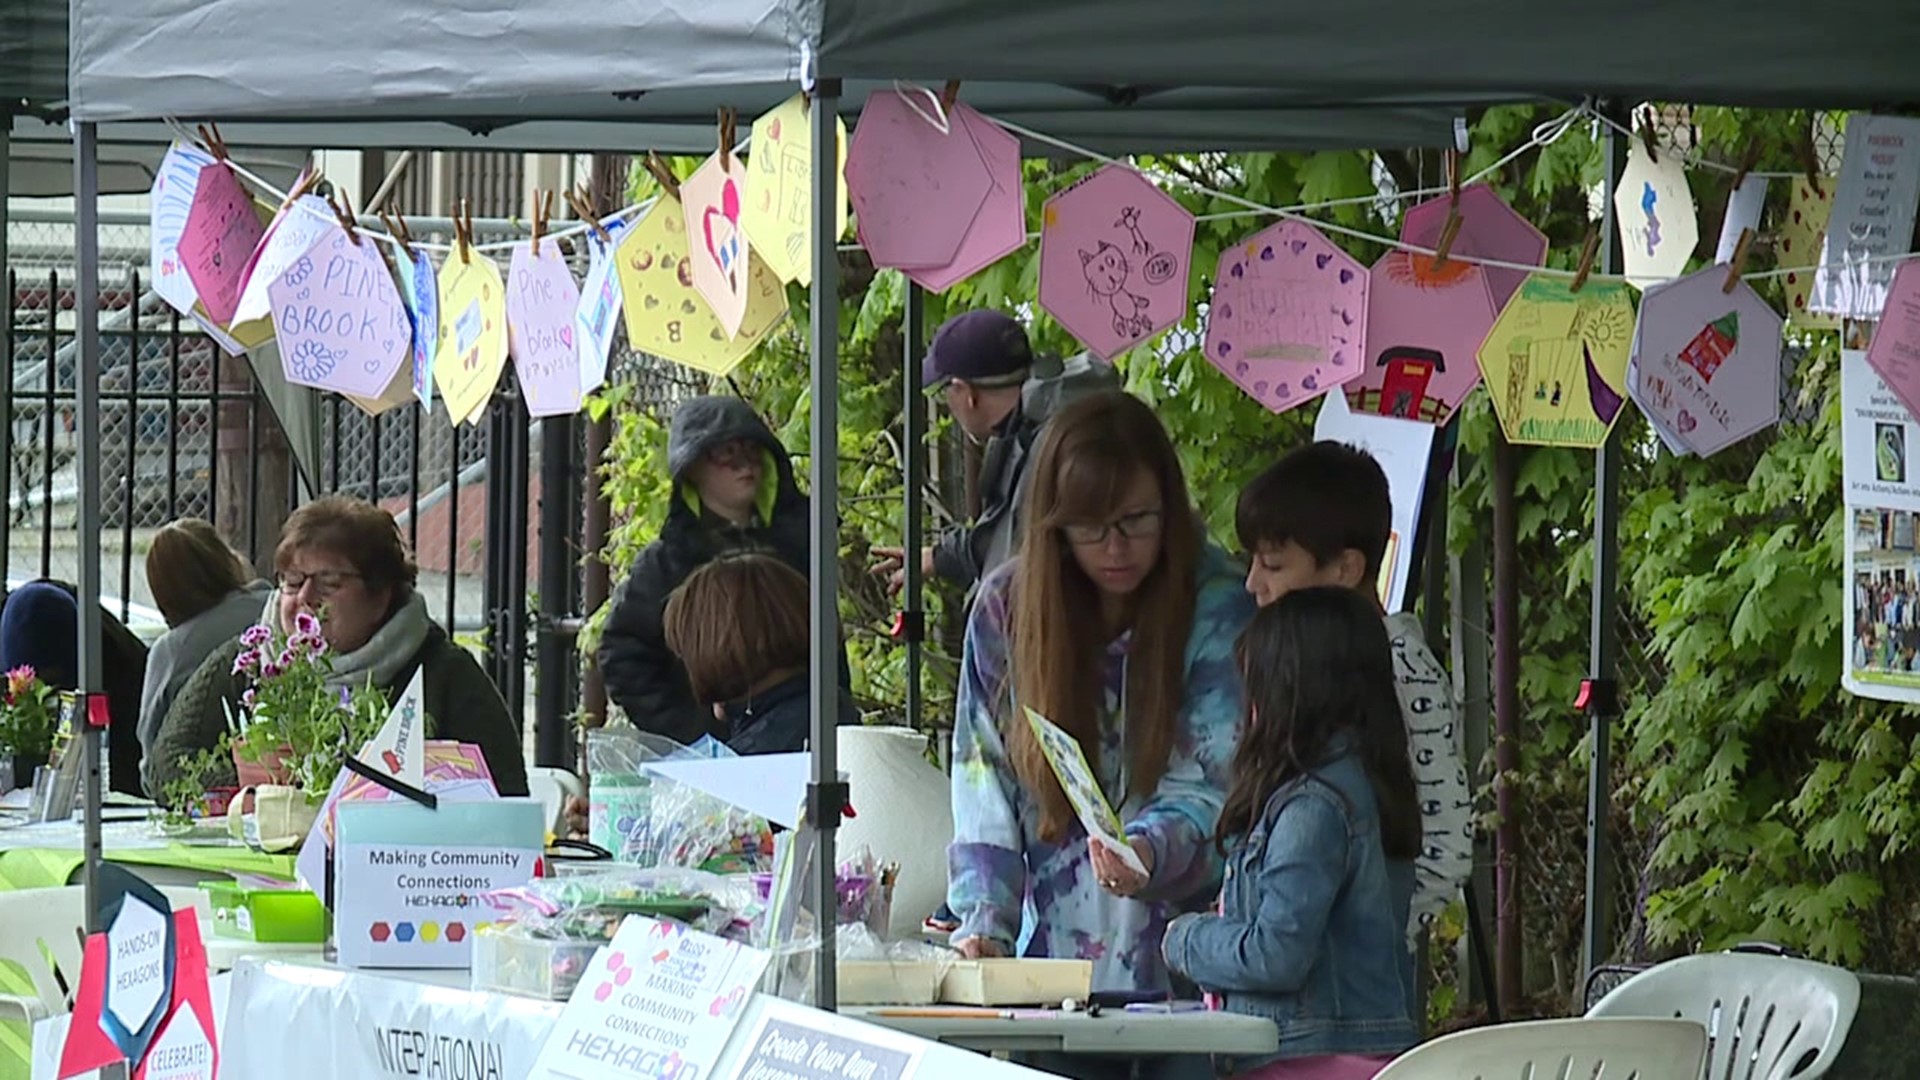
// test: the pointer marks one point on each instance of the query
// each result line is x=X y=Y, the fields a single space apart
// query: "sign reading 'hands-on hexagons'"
x=1114 y=258
x=139 y=974
x=1287 y=320
x=1706 y=364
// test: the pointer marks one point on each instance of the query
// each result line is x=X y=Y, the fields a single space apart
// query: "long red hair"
x=1092 y=453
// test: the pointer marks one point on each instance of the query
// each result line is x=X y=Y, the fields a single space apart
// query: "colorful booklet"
x=1083 y=790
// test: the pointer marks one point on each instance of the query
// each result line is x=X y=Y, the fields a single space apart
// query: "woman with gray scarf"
x=343 y=561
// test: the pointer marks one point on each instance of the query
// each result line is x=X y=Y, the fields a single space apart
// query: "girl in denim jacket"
x=1320 y=831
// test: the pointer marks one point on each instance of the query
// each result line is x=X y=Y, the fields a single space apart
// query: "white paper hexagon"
x=1707 y=369
x=1115 y=252
x=1659 y=226
x=136 y=964
x=1287 y=320
x=915 y=186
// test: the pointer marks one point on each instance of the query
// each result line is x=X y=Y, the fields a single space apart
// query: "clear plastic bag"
x=648 y=821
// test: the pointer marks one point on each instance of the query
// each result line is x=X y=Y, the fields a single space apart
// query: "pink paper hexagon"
x=341 y=322
x=221 y=233
x=1708 y=361
x=1425 y=324
x=1115 y=251
x=1001 y=227
x=915 y=187
x=1895 y=349
x=1288 y=316
x=541 y=298
x=1489 y=229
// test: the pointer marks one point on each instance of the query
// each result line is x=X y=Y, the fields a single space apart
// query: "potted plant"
x=27 y=723
x=293 y=728
x=186 y=799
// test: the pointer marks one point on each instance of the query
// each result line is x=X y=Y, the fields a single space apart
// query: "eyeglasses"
x=1135 y=526
x=325 y=582
x=735 y=454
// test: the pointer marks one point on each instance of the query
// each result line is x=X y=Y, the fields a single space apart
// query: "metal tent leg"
x=825 y=795
x=913 y=464
x=86 y=306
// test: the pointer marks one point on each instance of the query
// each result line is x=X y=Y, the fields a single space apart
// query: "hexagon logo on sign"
x=1001 y=226
x=139 y=974
x=1895 y=349
x=916 y=181
x=1489 y=229
x=1556 y=361
x=1288 y=316
x=1425 y=322
x=1706 y=366
x=1114 y=257
x=1658 y=223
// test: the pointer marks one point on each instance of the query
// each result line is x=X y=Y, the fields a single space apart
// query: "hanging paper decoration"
x=1287 y=319
x=1556 y=361
x=222 y=230
x=1667 y=438
x=1706 y=369
x=598 y=312
x=1744 y=205
x=341 y=322
x=541 y=301
x=665 y=316
x=171 y=198
x=293 y=232
x=1658 y=223
x=1895 y=350
x=1001 y=226
x=778 y=216
x=1801 y=236
x=916 y=182
x=1114 y=253
x=420 y=289
x=710 y=199
x=1424 y=324
x=1874 y=203
x=473 y=333
x=1489 y=229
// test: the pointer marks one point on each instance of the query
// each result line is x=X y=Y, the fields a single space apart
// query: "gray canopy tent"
x=1113 y=75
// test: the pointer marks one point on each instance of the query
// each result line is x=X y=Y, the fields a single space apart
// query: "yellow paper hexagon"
x=667 y=317
x=1556 y=361
x=778 y=216
x=473 y=334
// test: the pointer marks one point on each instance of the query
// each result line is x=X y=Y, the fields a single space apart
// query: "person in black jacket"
x=734 y=491
x=40 y=628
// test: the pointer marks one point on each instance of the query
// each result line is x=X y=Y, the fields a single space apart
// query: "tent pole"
x=914 y=453
x=86 y=306
x=6 y=342
x=1603 y=693
x=826 y=795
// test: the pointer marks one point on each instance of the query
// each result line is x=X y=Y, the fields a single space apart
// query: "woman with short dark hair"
x=343 y=562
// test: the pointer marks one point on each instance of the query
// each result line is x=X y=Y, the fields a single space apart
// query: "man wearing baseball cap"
x=1001 y=396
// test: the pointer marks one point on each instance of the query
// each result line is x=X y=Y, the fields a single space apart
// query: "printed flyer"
x=1878 y=435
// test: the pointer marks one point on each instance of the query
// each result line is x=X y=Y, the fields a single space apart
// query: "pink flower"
x=19 y=681
x=247 y=697
x=271 y=670
x=256 y=636
x=306 y=625
x=286 y=658
x=245 y=661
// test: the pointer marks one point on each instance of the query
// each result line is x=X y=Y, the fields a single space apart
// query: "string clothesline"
x=1545 y=134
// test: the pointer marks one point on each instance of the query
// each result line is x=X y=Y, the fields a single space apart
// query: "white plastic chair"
x=552 y=786
x=1767 y=1017
x=36 y=924
x=1578 y=1049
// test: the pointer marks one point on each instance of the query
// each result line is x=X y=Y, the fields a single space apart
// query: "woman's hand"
x=576 y=814
x=979 y=948
x=1112 y=872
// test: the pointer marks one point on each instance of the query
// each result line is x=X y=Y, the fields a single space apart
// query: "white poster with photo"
x=1402 y=447
x=1882 y=481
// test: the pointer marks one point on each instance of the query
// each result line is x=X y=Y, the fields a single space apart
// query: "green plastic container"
x=267 y=915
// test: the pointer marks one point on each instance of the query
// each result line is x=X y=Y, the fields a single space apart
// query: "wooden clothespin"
x=343 y=209
x=463 y=231
x=1810 y=161
x=1739 y=262
x=1646 y=136
x=584 y=211
x=1451 y=230
x=662 y=175
x=1587 y=253
x=726 y=138
x=397 y=228
x=210 y=138
x=949 y=94
x=1747 y=161
x=309 y=179
x=538 y=222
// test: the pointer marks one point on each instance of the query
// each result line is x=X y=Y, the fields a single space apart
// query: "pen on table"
x=945 y=1014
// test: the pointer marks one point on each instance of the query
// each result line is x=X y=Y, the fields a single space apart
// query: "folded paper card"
x=1083 y=789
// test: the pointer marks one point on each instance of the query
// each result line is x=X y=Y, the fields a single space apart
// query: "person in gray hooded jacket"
x=1002 y=397
x=734 y=491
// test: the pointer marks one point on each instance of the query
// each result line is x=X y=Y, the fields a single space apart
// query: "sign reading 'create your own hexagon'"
x=1556 y=361
x=1706 y=362
x=1114 y=253
x=1288 y=315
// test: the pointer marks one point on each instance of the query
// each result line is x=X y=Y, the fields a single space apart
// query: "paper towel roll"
x=906 y=816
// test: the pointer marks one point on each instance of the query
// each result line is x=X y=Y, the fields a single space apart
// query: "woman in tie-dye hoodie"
x=1117 y=622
